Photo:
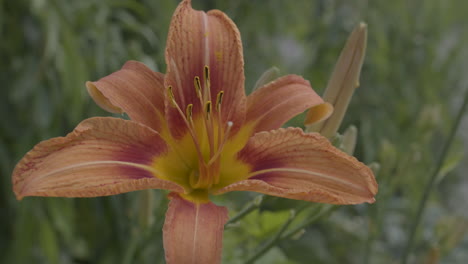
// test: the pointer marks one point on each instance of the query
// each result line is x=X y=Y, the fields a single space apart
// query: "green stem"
x=431 y=181
x=273 y=241
x=281 y=235
x=254 y=204
x=324 y=210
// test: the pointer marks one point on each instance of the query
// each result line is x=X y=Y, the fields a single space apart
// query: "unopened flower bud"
x=344 y=80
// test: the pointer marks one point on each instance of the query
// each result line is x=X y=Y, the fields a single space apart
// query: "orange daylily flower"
x=193 y=131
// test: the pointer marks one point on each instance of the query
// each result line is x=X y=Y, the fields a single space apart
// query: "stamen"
x=188 y=111
x=208 y=110
x=207 y=91
x=206 y=104
x=171 y=96
x=221 y=146
x=209 y=127
x=197 y=84
x=187 y=123
x=219 y=100
x=206 y=72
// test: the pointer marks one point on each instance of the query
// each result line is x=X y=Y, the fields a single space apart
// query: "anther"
x=208 y=109
x=207 y=91
x=188 y=123
x=219 y=100
x=221 y=146
x=197 y=84
x=188 y=111
x=206 y=72
x=171 y=96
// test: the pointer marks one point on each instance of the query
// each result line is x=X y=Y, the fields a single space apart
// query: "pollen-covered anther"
x=208 y=109
x=219 y=100
x=206 y=72
x=197 y=84
x=171 y=96
x=188 y=111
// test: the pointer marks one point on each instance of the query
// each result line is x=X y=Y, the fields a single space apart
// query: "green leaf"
x=48 y=241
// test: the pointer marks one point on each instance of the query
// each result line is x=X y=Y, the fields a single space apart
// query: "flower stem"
x=320 y=211
x=431 y=181
x=251 y=206
x=272 y=242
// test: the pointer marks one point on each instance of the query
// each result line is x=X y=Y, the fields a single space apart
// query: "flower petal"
x=197 y=39
x=136 y=90
x=275 y=103
x=102 y=156
x=291 y=164
x=193 y=232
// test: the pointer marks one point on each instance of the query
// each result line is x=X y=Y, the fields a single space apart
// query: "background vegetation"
x=412 y=84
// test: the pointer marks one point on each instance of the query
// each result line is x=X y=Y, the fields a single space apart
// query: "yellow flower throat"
x=198 y=159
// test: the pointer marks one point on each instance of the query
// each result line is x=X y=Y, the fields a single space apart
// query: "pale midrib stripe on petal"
x=206 y=40
x=102 y=163
x=195 y=234
x=357 y=187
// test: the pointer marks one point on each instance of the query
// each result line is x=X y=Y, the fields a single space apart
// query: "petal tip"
x=318 y=113
x=101 y=100
x=18 y=195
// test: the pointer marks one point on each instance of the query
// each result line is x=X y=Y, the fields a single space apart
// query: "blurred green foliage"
x=413 y=76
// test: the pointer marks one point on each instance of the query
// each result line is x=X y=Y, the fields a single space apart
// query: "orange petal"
x=102 y=156
x=291 y=164
x=197 y=39
x=136 y=90
x=275 y=103
x=193 y=233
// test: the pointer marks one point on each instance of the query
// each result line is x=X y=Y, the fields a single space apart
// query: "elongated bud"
x=343 y=81
x=349 y=138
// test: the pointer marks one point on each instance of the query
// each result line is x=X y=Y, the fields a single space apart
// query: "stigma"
x=207 y=130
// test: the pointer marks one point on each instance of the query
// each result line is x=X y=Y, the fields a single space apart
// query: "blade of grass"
x=322 y=211
x=431 y=180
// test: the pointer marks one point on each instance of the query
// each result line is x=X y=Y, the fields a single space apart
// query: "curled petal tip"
x=101 y=100
x=318 y=114
x=371 y=200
